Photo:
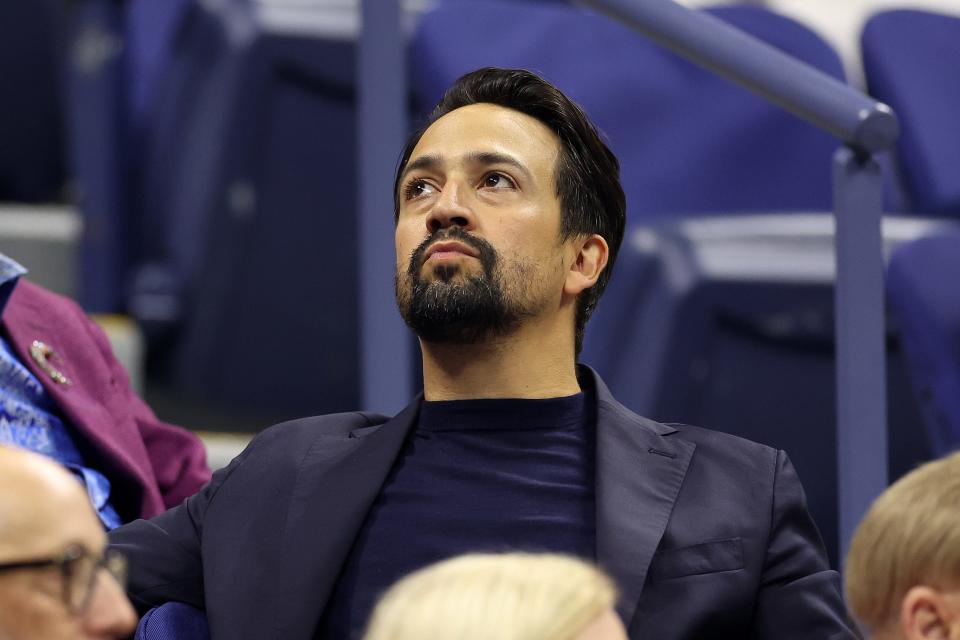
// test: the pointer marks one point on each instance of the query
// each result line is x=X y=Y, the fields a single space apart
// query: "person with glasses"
x=57 y=579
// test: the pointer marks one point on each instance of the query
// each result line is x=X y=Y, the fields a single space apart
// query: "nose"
x=110 y=614
x=451 y=209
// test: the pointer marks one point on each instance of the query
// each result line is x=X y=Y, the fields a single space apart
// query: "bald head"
x=44 y=512
x=40 y=502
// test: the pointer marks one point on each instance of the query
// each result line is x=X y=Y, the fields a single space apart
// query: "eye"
x=497 y=180
x=416 y=188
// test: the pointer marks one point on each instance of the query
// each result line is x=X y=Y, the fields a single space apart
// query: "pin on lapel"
x=42 y=354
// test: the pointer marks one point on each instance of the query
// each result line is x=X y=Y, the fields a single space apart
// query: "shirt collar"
x=511 y=414
x=10 y=272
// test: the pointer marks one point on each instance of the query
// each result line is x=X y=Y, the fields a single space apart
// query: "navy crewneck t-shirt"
x=476 y=475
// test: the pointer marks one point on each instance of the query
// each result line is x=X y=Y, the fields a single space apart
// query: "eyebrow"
x=433 y=161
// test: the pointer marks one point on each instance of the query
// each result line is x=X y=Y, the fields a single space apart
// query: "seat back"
x=99 y=166
x=173 y=621
x=32 y=148
x=117 y=51
x=909 y=58
x=249 y=196
x=150 y=29
x=924 y=301
x=688 y=141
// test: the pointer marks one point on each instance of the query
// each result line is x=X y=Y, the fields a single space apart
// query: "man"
x=56 y=581
x=509 y=216
x=64 y=395
x=903 y=570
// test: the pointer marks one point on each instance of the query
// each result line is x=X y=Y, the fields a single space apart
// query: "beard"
x=454 y=307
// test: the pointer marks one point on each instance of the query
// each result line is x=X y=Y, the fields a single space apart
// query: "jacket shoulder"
x=716 y=453
x=39 y=299
x=720 y=439
x=704 y=438
x=732 y=460
x=295 y=433
x=279 y=450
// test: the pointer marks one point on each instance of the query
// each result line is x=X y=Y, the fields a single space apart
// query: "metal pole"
x=860 y=339
x=96 y=131
x=381 y=126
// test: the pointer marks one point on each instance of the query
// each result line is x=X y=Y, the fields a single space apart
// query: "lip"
x=446 y=247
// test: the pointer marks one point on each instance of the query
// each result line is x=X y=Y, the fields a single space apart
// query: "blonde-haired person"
x=513 y=596
x=903 y=570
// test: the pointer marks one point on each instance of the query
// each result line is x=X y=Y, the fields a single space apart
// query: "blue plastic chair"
x=118 y=52
x=150 y=29
x=688 y=141
x=909 y=59
x=32 y=147
x=100 y=169
x=173 y=621
x=249 y=216
x=923 y=297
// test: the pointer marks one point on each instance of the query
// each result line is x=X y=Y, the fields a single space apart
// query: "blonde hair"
x=909 y=537
x=513 y=596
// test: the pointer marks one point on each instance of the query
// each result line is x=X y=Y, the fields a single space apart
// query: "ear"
x=589 y=261
x=925 y=614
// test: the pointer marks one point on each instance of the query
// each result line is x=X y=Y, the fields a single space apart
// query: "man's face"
x=31 y=600
x=478 y=232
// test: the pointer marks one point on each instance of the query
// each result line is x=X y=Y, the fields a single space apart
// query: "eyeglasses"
x=79 y=569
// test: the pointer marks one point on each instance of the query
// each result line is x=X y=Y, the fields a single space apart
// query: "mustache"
x=485 y=251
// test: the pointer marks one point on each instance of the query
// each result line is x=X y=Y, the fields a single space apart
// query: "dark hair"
x=587 y=174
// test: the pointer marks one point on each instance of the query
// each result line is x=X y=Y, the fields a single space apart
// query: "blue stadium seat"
x=98 y=163
x=688 y=141
x=909 y=59
x=249 y=218
x=173 y=621
x=32 y=146
x=924 y=299
x=149 y=29
x=116 y=56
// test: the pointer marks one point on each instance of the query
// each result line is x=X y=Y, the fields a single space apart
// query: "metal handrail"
x=861 y=122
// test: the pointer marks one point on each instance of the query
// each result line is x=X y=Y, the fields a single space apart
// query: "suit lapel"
x=640 y=470
x=337 y=484
x=639 y=473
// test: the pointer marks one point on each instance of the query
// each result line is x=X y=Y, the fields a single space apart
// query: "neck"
x=529 y=363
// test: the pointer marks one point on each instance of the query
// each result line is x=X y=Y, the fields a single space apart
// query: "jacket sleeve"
x=177 y=457
x=164 y=553
x=799 y=594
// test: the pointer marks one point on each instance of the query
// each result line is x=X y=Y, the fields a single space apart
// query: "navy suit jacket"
x=706 y=535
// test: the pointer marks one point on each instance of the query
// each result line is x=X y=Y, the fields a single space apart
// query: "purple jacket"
x=151 y=465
